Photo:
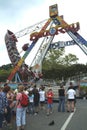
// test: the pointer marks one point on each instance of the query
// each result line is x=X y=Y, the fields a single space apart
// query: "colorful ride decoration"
x=21 y=60
x=21 y=67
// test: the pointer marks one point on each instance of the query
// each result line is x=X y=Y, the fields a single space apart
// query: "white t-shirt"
x=42 y=95
x=71 y=94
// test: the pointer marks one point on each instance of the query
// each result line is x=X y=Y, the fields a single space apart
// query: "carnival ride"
x=45 y=30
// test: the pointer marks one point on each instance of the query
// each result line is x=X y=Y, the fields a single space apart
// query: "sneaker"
x=48 y=114
x=35 y=114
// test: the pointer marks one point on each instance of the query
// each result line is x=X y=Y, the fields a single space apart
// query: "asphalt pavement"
x=58 y=120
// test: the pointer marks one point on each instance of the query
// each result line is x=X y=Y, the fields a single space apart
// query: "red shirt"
x=50 y=97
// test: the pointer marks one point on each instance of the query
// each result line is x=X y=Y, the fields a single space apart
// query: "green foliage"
x=5 y=70
x=6 y=67
x=55 y=58
x=64 y=71
x=70 y=59
x=57 y=65
x=3 y=75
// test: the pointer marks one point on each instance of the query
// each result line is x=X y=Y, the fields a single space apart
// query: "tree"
x=57 y=65
x=5 y=70
x=70 y=59
x=55 y=58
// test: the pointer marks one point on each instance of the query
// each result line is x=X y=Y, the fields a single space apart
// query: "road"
x=62 y=121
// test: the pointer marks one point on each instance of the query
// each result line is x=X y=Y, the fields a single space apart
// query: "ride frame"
x=54 y=26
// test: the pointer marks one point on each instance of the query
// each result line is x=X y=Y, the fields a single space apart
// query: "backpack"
x=24 y=101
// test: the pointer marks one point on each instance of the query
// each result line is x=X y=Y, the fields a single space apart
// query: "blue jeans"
x=20 y=116
x=31 y=108
x=61 y=106
x=8 y=115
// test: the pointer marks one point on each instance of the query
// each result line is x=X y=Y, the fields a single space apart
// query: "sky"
x=16 y=15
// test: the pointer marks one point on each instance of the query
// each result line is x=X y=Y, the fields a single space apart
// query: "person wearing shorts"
x=49 y=96
x=71 y=99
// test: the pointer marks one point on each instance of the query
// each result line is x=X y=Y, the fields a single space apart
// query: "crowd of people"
x=11 y=108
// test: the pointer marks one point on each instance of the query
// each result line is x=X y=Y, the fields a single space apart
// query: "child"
x=49 y=96
x=31 y=103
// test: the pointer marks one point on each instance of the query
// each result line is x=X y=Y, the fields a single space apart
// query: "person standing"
x=8 y=115
x=3 y=104
x=49 y=96
x=42 y=97
x=61 y=94
x=31 y=102
x=20 y=110
x=71 y=98
x=36 y=99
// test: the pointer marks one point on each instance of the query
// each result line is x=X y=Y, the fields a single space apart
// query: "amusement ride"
x=45 y=30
